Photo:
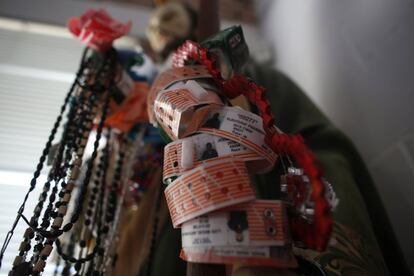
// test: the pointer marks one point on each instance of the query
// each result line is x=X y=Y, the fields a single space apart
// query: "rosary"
x=213 y=149
x=77 y=212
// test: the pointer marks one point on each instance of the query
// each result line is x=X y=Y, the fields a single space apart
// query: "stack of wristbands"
x=207 y=166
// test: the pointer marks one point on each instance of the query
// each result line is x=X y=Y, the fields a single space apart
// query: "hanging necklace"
x=46 y=225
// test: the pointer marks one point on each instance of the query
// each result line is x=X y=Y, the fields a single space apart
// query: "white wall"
x=355 y=60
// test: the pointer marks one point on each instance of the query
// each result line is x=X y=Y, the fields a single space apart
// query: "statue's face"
x=157 y=39
x=167 y=23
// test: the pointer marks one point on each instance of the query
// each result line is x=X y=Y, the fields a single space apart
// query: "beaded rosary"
x=78 y=210
x=85 y=197
x=66 y=193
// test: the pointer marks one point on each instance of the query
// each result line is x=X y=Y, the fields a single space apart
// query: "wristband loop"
x=180 y=110
x=188 y=153
x=276 y=256
x=255 y=223
x=208 y=187
x=240 y=126
x=168 y=78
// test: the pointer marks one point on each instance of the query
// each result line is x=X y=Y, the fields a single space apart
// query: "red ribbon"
x=97 y=29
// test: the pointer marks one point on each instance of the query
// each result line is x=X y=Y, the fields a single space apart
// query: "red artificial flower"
x=97 y=29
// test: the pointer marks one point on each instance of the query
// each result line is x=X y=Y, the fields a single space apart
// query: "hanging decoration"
x=97 y=29
x=77 y=213
x=213 y=149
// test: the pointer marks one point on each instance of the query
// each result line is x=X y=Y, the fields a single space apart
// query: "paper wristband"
x=171 y=76
x=277 y=256
x=241 y=126
x=208 y=187
x=180 y=110
x=185 y=154
x=256 y=223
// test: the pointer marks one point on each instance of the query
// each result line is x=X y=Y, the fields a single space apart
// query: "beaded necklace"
x=54 y=213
